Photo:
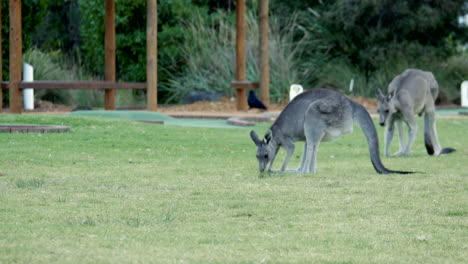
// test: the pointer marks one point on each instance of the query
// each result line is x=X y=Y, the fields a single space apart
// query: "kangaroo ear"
x=379 y=94
x=268 y=136
x=255 y=138
x=389 y=96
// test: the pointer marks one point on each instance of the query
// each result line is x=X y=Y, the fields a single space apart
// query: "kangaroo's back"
x=413 y=88
x=291 y=120
x=414 y=81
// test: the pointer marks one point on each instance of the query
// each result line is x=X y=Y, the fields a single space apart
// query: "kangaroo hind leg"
x=431 y=140
x=430 y=136
x=310 y=163
x=314 y=130
x=401 y=136
x=289 y=147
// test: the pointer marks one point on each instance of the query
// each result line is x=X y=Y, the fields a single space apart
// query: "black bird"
x=254 y=102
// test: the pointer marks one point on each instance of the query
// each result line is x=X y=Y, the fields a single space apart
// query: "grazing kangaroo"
x=314 y=116
x=410 y=93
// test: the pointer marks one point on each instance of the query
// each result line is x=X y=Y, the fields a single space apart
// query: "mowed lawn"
x=117 y=191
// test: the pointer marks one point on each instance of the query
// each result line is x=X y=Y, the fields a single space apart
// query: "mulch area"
x=226 y=108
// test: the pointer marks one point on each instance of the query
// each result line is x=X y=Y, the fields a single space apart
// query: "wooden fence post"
x=241 y=59
x=152 y=55
x=264 y=52
x=1 y=64
x=16 y=56
x=109 y=46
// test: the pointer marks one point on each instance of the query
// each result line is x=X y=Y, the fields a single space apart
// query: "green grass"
x=117 y=191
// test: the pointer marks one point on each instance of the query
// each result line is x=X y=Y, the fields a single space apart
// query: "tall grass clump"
x=46 y=68
x=55 y=66
x=210 y=55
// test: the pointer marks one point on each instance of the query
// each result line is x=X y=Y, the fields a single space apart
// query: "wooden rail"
x=77 y=85
x=109 y=85
x=244 y=85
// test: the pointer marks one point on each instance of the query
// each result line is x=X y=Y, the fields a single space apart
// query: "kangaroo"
x=314 y=116
x=413 y=92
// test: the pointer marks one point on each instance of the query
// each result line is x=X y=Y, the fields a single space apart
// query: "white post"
x=464 y=94
x=28 y=93
x=294 y=90
x=351 y=85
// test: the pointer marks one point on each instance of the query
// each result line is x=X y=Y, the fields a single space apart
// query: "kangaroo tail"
x=362 y=117
x=430 y=147
x=447 y=150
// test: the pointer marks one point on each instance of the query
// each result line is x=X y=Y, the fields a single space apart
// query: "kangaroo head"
x=265 y=150
x=384 y=107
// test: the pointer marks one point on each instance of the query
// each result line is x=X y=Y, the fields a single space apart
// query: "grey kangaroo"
x=413 y=92
x=314 y=116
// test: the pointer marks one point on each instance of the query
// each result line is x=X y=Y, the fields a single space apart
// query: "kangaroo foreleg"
x=289 y=147
x=388 y=134
x=412 y=131
x=401 y=136
x=272 y=160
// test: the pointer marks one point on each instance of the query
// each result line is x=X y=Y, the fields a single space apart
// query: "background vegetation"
x=117 y=191
x=315 y=43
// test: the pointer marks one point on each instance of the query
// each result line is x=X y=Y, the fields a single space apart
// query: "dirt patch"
x=368 y=103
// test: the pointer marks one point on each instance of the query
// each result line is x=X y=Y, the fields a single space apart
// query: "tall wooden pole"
x=109 y=43
x=1 y=64
x=16 y=55
x=241 y=59
x=264 y=52
x=152 y=55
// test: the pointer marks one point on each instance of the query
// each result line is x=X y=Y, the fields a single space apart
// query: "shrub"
x=210 y=55
x=55 y=66
x=46 y=68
